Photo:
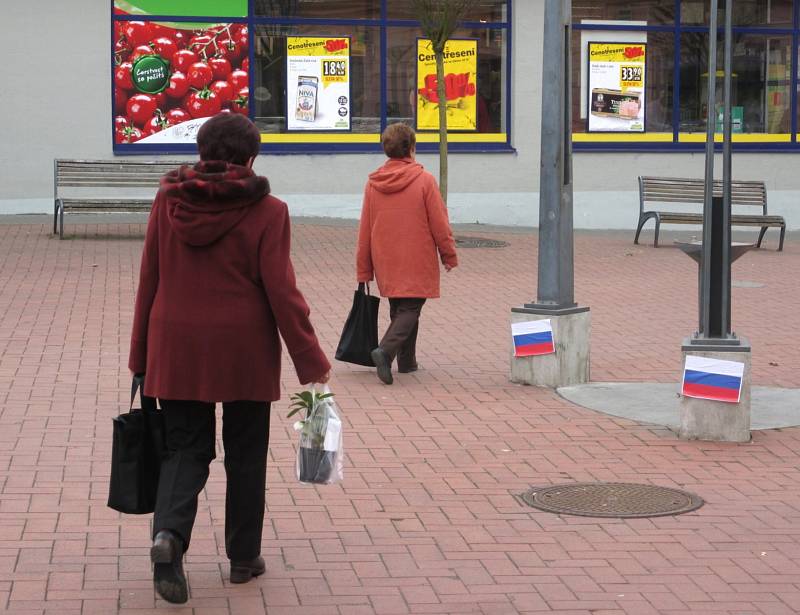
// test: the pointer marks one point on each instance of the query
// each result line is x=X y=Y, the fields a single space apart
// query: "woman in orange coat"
x=403 y=233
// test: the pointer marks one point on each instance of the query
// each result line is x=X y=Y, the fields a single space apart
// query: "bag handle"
x=148 y=403
x=361 y=287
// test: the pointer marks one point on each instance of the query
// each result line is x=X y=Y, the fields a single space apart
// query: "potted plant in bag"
x=319 y=430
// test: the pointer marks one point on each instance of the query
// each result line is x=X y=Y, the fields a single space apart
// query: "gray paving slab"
x=657 y=403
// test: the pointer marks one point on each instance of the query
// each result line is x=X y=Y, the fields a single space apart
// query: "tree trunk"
x=441 y=91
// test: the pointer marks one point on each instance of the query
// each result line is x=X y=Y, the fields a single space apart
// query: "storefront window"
x=491 y=78
x=486 y=11
x=336 y=9
x=761 y=83
x=776 y=13
x=647 y=11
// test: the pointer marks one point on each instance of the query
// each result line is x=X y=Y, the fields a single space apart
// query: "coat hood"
x=206 y=201
x=395 y=175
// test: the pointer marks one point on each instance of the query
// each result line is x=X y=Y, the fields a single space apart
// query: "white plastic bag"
x=320 y=455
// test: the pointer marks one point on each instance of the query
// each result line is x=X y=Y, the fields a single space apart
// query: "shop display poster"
x=317 y=83
x=616 y=88
x=461 y=85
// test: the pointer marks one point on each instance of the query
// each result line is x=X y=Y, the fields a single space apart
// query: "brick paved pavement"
x=426 y=520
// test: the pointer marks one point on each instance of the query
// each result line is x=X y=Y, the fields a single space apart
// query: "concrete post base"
x=703 y=419
x=570 y=363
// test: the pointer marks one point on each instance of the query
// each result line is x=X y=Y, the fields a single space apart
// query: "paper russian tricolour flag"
x=532 y=338
x=714 y=379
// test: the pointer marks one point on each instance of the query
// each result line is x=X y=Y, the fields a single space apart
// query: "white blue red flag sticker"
x=532 y=338
x=714 y=379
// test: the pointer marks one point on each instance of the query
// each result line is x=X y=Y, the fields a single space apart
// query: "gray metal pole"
x=711 y=122
x=727 y=171
x=556 y=275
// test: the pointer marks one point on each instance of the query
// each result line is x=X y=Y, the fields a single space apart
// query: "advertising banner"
x=169 y=78
x=182 y=8
x=461 y=85
x=317 y=83
x=616 y=89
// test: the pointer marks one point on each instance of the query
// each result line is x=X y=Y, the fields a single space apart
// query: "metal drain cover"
x=479 y=242
x=616 y=500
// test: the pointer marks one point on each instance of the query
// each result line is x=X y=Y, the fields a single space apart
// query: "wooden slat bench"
x=745 y=195
x=110 y=175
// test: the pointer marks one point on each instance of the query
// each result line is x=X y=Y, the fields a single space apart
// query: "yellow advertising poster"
x=617 y=73
x=461 y=85
x=318 y=83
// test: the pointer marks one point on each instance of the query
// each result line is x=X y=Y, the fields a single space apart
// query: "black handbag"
x=136 y=453
x=360 y=333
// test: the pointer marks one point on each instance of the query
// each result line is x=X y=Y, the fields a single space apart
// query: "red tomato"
x=122 y=49
x=183 y=59
x=161 y=100
x=199 y=75
x=178 y=85
x=240 y=103
x=229 y=48
x=137 y=32
x=201 y=45
x=122 y=76
x=238 y=79
x=220 y=67
x=157 y=123
x=223 y=90
x=127 y=134
x=121 y=121
x=142 y=50
x=120 y=100
x=242 y=38
x=246 y=65
x=165 y=47
x=141 y=108
x=177 y=115
x=179 y=38
x=204 y=103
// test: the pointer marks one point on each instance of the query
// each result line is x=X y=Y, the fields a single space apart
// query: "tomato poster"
x=461 y=85
x=317 y=83
x=169 y=78
x=616 y=89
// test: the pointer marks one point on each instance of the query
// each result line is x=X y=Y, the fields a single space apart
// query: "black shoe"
x=407 y=370
x=168 y=577
x=383 y=364
x=243 y=571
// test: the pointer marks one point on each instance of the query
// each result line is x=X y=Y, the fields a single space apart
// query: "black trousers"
x=191 y=435
x=400 y=339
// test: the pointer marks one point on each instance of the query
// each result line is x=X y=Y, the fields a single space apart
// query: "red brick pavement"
x=426 y=520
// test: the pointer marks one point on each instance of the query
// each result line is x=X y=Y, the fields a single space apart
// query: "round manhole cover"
x=617 y=500
x=479 y=242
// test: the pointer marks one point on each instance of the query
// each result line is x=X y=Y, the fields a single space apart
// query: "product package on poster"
x=317 y=83
x=169 y=78
x=616 y=89
x=461 y=85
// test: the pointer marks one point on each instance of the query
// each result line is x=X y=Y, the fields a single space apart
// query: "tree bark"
x=442 y=93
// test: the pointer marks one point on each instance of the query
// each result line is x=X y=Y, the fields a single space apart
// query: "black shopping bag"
x=360 y=333
x=136 y=453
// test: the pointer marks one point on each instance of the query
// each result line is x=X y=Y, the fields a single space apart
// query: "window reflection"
x=490 y=11
x=333 y=9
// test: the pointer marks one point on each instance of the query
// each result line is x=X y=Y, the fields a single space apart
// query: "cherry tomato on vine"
x=229 y=48
x=238 y=79
x=122 y=49
x=165 y=47
x=178 y=85
x=128 y=134
x=141 y=108
x=157 y=123
x=199 y=75
x=242 y=38
x=183 y=59
x=204 y=103
x=161 y=100
x=142 y=50
x=121 y=121
x=177 y=115
x=202 y=45
x=120 y=100
x=240 y=103
x=223 y=90
x=220 y=67
x=122 y=76
x=246 y=65
x=137 y=32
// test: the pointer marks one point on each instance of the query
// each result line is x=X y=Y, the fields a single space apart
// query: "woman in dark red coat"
x=216 y=287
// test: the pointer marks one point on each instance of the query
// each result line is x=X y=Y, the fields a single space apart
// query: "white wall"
x=57 y=60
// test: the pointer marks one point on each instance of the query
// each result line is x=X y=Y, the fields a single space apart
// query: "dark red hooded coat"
x=216 y=287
